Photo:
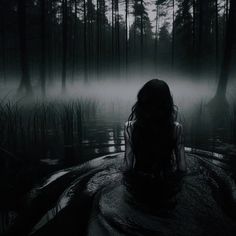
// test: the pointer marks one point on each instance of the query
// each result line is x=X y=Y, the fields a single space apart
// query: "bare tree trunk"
x=89 y=37
x=43 y=49
x=216 y=36
x=200 y=33
x=126 y=36
x=219 y=106
x=173 y=35
x=112 y=34
x=85 y=45
x=194 y=36
x=103 y=43
x=156 y=39
x=141 y=39
x=227 y=9
x=64 y=43
x=50 y=44
x=25 y=82
x=98 y=39
x=3 y=43
x=74 y=51
x=134 y=36
x=117 y=37
x=229 y=41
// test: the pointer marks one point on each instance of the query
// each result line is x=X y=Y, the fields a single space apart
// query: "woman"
x=153 y=138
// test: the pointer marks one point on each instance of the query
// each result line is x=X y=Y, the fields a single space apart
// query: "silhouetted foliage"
x=82 y=40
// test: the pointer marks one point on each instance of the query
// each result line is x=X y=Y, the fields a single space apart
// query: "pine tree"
x=64 y=42
x=25 y=82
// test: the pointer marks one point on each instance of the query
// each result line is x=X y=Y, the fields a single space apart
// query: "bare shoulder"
x=178 y=130
x=129 y=123
x=178 y=126
x=128 y=127
x=176 y=123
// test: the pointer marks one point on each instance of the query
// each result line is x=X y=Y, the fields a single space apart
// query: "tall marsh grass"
x=42 y=130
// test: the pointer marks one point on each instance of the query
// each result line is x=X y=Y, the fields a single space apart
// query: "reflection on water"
x=105 y=137
x=102 y=137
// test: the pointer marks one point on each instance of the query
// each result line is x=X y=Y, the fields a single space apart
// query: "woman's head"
x=152 y=134
x=154 y=103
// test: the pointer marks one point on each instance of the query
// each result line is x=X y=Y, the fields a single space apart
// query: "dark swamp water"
x=44 y=143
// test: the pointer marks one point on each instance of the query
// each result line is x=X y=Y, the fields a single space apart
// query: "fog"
x=115 y=97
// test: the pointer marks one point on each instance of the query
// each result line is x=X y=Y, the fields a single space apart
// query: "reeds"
x=43 y=130
x=32 y=134
x=55 y=129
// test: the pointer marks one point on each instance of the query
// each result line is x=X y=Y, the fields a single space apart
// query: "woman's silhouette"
x=153 y=138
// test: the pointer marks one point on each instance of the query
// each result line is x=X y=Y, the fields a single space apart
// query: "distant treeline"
x=83 y=39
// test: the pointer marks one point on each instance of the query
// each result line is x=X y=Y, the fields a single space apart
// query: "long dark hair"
x=152 y=132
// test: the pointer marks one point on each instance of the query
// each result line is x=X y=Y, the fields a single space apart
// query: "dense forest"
x=70 y=71
x=69 y=40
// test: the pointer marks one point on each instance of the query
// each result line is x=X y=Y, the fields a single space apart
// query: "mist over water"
x=108 y=102
x=115 y=96
x=44 y=134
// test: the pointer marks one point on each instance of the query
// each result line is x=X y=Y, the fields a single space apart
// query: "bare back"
x=178 y=155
